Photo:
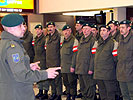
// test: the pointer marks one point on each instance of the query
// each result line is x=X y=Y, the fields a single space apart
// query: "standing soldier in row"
x=78 y=27
x=83 y=63
x=78 y=36
x=68 y=62
x=40 y=55
x=28 y=38
x=104 y=65
x=114 y=32
x=94 y=30
x=53 y=59
x=125 y=60
x=17 y=75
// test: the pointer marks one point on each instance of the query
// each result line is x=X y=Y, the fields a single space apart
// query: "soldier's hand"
x=52 y=72
x=34 y=66
x=90 y=72
x=72 y=70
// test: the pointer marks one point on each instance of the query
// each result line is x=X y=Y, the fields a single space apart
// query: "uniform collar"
x=7 y=35
x=101 y=41
x=39 y=36
x=79 y=34
x=69 y=38
x=84 y=40
x=116 y=34
x=127 y=38
x=53 y=37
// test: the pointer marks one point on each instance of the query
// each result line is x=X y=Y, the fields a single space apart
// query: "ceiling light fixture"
x=90 y=13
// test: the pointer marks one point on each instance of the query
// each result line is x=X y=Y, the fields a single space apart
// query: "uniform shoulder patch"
x=16 y=57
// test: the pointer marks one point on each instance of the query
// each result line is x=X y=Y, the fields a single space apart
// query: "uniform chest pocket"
x=129 y=52
x=67 y=50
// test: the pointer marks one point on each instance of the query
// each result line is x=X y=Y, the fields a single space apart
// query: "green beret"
x=12 y=20
x=112 y=22
x=38 y=26
x=86 y=24
x=117 y=22
x=80 y=22
x=125 y=22
x=94 y=26
x=66 y=27
x=105 y=26
x=50 y=23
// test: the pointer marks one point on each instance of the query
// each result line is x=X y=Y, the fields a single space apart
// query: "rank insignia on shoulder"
x=15 y=58
x=12 y=45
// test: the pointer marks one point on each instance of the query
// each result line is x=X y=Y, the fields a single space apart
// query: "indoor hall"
x=66 y=12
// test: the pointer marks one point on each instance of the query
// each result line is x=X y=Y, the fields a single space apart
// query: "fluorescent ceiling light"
x=90 y=13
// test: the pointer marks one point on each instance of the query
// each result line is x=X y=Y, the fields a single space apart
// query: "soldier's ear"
x=129 y=28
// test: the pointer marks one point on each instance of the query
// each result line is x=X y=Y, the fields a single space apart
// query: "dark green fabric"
x=16 y=76
x=125 y=22
x=104 y=64
x=79 y=35
x=53 y=50
x=87 y=86
x=84 y=55
x=107 y=89
x=50 y=23
x=70 y=83
x=65 y=27
x=68 y=57
x=38 y=26
x=28 y=38
x=12 y=20
x=125 y=58
x=53 y=60
x=40 y=52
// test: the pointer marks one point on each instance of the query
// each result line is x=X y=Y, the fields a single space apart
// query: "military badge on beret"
x=50 y=23
x=125 y=22
x=38 y=26
x=80 y=22
x=66 y=27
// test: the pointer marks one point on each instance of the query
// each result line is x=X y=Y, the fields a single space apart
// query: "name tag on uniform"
x=16 y=58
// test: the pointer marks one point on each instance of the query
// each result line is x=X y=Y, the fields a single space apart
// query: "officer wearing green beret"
x=78 y=27
x=28 y=39
x=40 y=55
x=105 y=65
x=83 y=63
x=94 y=30
x=53 y=59
x=114 y=32
x=68 y=62
x=17 y=75
x=125 y=60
